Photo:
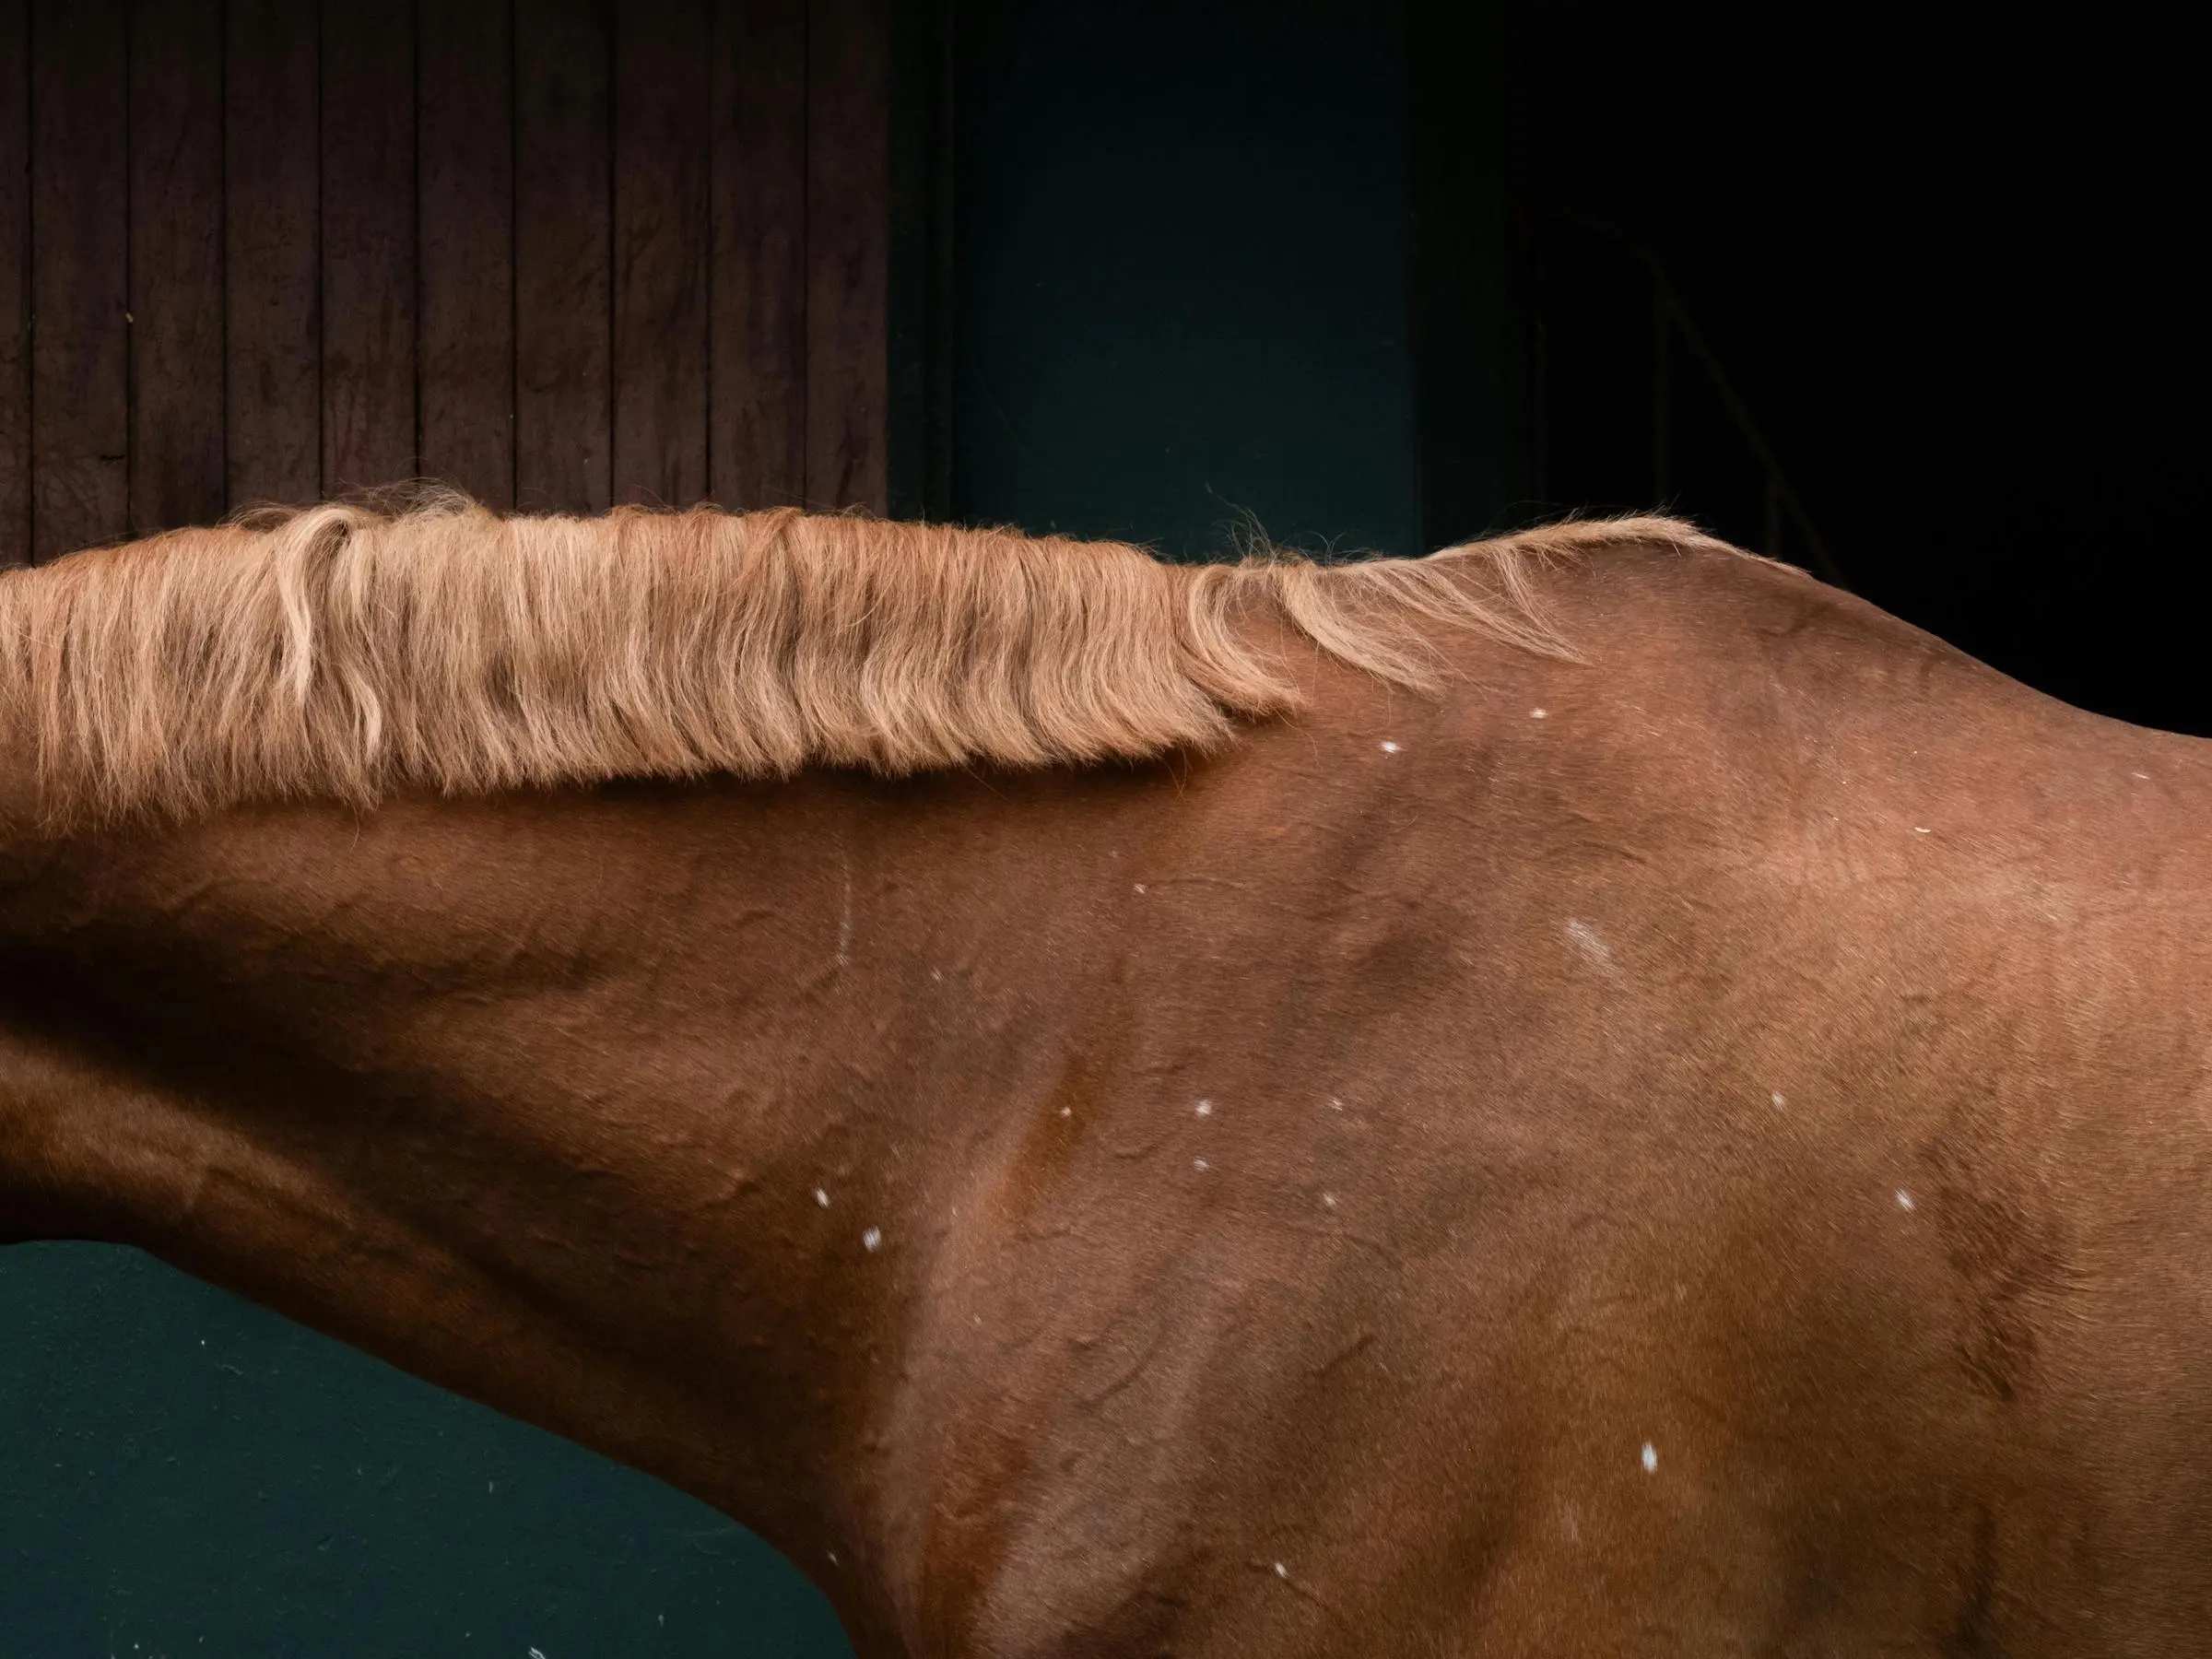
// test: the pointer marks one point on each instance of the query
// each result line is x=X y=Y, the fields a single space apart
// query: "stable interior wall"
x=559 y=254
x=1180 y=306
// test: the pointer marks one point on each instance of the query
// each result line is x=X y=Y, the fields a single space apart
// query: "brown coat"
x=1704 y=1148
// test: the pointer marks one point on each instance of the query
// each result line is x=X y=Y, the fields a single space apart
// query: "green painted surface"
x=1180 y=289
x=182 y=1474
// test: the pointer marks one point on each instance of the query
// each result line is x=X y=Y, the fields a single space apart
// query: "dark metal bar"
x=1671 y=322
x=1662 y=397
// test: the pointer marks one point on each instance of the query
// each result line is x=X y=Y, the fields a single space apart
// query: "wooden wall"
x=561 y=254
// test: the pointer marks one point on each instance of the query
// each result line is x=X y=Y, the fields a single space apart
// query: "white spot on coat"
x=1140 y=888
x=1281 y=1571
x=1390 y=749
x=1779 y=1101
x=1199 y=1163
x=1904 y=1199
x=1922 y=829
x=1205 y=1109
x=821 y=1197
x=2145 y=777
x=1335 y=1104
x=1584 y=937
x=1328 y=1201
x=1537 y=714
x=1651 y=1458
x=872 y=1239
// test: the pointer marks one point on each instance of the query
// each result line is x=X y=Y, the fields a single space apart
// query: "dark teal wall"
x=184 y=1474
x=1179 y=281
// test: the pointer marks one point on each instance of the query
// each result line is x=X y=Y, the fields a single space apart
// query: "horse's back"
x=1696 y=1150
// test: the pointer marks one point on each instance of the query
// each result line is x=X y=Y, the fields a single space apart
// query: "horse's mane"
x=344 y=651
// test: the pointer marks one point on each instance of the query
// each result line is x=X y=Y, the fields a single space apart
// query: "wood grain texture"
x=467 y=135
x=79 y=350
x=176 y=259
x=560 y=252
x=661 y=241
x=273 y=401
x=848 y=237
x=758 y=363
x=15 y=284
x=368 y=150
x=563 y=256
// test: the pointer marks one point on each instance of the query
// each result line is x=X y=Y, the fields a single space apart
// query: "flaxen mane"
x=343 y=652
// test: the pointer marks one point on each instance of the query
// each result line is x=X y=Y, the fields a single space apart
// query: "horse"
x=1585 y=1093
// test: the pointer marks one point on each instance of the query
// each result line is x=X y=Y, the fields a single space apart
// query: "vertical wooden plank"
x=662 y=144
x=272 y=326
x=759 y=366
x=466 y=133
x=368 y=149
x=79 y=351
x=563 y=225
x=176 y=264
x=15 y=286
x=848 y=239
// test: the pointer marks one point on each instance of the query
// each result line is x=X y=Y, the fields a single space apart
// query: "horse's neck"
x=621 y=1144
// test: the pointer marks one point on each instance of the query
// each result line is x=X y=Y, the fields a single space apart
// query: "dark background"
x=1358 y=275
x=1949 y=257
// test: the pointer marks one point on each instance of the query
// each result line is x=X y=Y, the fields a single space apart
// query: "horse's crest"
x=343 y=652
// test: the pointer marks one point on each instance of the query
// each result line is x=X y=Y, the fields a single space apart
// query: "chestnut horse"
x=1585 y=1095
